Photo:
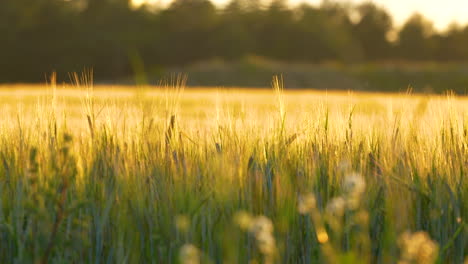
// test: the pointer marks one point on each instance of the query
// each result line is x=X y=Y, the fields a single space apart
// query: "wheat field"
x=164 y=174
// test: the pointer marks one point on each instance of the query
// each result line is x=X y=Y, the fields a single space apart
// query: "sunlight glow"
x=141 y=2
x=442 y=13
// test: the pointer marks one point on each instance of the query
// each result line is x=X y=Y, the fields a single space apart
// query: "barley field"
x=171 y=175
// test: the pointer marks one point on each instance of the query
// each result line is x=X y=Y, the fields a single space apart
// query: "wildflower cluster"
x=342 y=220
x=261 y=228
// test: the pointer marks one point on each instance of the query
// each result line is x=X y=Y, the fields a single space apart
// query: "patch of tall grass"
x=197 y=176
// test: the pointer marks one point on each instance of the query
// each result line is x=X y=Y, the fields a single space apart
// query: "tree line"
x=117 y=39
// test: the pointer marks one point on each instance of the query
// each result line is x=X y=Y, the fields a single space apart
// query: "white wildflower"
x=354 y=184
x=189 y=254
x=417 y=248
x=261 y=224
x=353 y=187
x=306 y=203
x=336 y=206
x=266 y=243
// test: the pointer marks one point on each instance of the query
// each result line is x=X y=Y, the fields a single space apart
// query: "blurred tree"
x=102 y=6
x=110 y=35
x=452 y=44
x=312 y=42
x=414 y=39
x=109 y=31
x=274 y=36
x=34 y=32
x=371 y=31
x=187 y=27
x=235 y=35
x=338 y=32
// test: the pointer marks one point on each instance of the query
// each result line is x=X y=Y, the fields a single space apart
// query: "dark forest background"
x=327 y=46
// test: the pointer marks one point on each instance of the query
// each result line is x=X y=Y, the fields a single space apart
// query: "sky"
x=441 y=12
